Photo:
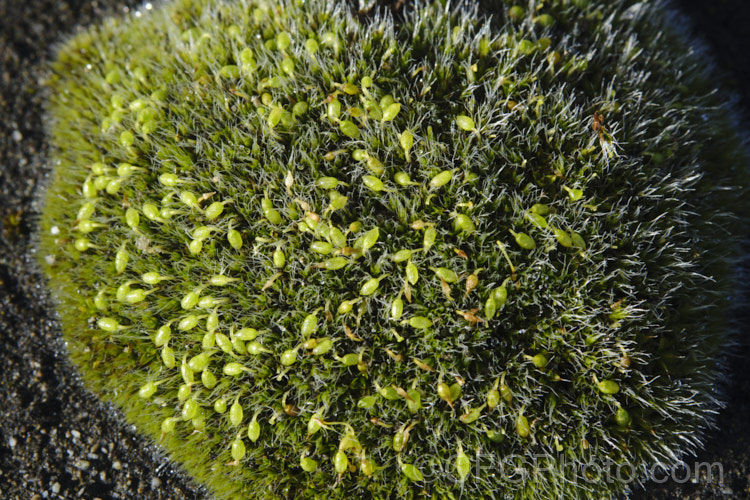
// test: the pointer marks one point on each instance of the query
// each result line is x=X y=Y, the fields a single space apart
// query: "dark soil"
x=58 y=441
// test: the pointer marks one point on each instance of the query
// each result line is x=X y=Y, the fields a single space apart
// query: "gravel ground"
x=58 y=441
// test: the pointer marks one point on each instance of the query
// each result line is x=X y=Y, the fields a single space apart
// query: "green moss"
x=321 y=255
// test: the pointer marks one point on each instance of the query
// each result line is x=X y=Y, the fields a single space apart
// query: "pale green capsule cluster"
x=330 y=254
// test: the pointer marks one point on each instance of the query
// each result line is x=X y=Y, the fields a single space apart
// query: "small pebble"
x=56 y=488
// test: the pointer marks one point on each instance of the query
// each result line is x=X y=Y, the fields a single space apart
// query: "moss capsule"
x=220 y=406
x=340 y=462
x=147 y=390
x=441 y=179
x=524 y=241
x=253 y=429
x=335 y=263
x=121 y=261
x=233 y=369
x=419 y=322
x=406 y=141
x=465 y=123
x=577 y=240
x=288 y=357
x=537 y=220
x=349 y=129
x=562 y=237
x=490 y=307
x=323 y=347
x=246 y=333
x=321 y=247
x=412 y=472
x=539 y=360
x=608 y=386
x=429 y=238
x=412 y=273
x=402 y=255
x=198 y=362
x=189 y=409
x=108 y=324
x=167 y=357
x=391 y=111
x=370 y=286
x=369 y=239
x=445 y=274
x=471 y=415
x=214 y=210
x=279 y=259
x=622 y=417
x=463 y=464
x=403 y=179
x=309 y=325
x=208 y=379
x=235 y=239
x=223 y=342
x=522 y=426
x=373 y=183
x=235 y=413
x=327 y=183
x=540 y=209
x=237 y=449
x=367 y=467
x=367 y=402
x=397 y=308
x=168 y=425
x=464 y=224
x=308 y=464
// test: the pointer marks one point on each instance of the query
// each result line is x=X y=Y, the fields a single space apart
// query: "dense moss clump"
x=320 y=253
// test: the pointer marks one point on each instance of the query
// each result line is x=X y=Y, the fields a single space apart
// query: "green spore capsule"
x=235 y=413
x=121 y=261
x=220 y=406
x=412 y=273
x=235 y=239
x=147 y=390
x=441 y=179
x=279 y=259
x=349 y=129
x=244 y=196
x=430 y=235
x=391 y=111
x=168 y=425
x=523 y=428
x=308 y=464
x=214 y=210
x=608 y=387
x=397 y=308
x=335 y=263
x=465 y=123
x=463 y=464
x=373 y=183
x=562 y=237
x=288 y=357
x=340 y=462
x=445 y=274
x=237 y=449
x=524 y=241
x=403 y=179
x=412 y=472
